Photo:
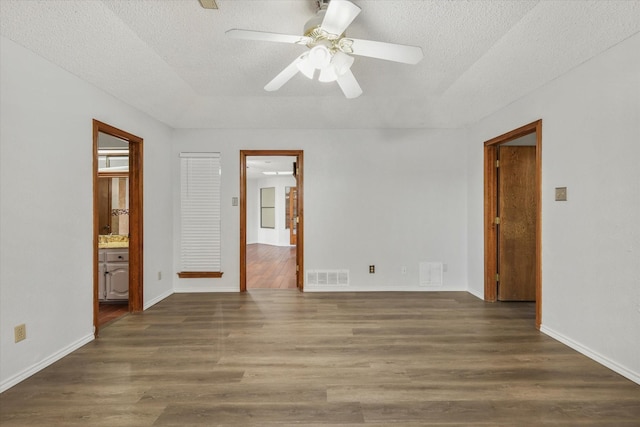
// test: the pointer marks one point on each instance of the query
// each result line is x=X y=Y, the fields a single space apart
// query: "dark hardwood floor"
x=271 y=267
x=283 y=357
x=109 y=311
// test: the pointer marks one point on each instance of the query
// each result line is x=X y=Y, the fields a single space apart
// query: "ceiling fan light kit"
x=329 y=49
x=319 y=56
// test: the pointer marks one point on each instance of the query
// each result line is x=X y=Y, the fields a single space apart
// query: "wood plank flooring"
x=272 y=267
x=282 y=357
x=108 y=312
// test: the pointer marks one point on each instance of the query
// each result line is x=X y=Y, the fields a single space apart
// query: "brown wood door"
x=517 y=225
x=293 y=214
x=104 y=205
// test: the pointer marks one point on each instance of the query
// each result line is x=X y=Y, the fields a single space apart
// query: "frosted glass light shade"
x=328 y=74
x=341 y=62
x=319 y=56
x=305 y=67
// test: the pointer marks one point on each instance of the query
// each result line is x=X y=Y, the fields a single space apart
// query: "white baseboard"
x=319 y=288
x=21 y=376
x=476 y=294
x=206 y=289
x=614 y=366
x=408 y=288
x=157 y=299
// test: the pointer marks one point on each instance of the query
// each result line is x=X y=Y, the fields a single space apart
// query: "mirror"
x=113 y=205
x=113 y=185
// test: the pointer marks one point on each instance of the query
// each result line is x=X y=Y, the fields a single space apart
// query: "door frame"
x=491 y=206
x=135 y=218
x=293 y=208
x=299 y=155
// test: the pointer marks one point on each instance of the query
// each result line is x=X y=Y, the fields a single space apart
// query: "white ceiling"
x=171 y=59
x=256 y=165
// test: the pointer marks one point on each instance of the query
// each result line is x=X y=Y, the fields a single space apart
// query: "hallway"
x=271 y=267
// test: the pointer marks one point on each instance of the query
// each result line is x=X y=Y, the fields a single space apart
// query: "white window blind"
x=200 y=212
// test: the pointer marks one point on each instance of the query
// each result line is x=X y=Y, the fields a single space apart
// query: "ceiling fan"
x=330 y=51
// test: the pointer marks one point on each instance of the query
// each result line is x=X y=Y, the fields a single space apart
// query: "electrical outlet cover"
x=20 y=332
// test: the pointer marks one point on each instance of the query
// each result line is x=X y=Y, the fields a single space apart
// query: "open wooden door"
x=503 y=258
x=517 y=223
x=293 y=215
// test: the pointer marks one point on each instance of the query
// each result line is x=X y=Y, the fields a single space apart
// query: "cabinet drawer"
x=117 y=256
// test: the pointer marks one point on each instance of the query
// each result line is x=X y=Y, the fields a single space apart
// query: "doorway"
x=267 y=214
x=512 y=217
x=117 y=221
x=291 y=212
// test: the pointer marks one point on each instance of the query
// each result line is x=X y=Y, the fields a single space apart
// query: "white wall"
x=590 y=243
x=390 y=198
x=278 y=236
x=46 y=210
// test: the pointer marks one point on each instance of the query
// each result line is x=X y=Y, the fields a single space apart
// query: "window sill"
x=200 y=274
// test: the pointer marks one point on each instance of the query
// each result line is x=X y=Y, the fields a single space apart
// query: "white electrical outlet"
x=403 y=270
x=159 y=275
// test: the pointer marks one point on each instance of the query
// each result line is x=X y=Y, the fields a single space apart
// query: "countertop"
x=116 y=244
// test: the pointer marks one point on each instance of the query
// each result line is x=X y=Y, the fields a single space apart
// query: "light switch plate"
x=561 y=194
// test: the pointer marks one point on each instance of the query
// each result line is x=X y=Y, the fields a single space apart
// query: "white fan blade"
x=387 y=51
x=349 y=85
x=338 y=16
x=267 y=37
x=284 y=76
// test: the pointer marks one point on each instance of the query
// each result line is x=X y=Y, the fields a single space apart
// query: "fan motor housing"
x=314 y=23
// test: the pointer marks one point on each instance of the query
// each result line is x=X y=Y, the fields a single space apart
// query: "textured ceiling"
x=171 y=59
x=256 y=165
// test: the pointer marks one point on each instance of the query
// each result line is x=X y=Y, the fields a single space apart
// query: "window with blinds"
x=200 y=215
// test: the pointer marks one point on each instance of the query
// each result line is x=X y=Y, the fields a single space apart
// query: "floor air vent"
x=328 y=277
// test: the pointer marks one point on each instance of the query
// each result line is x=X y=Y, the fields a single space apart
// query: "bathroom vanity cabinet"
x=113 y=274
